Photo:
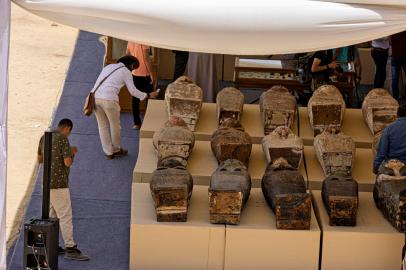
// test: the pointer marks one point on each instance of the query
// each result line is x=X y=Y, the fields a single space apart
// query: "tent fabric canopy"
x=255 y=27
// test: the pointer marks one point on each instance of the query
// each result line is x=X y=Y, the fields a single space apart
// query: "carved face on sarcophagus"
x=285 y=191
x=171 y=188
x=230 y=141
x=278 y=108
x=379 y=109
x=282 y=142
x=229 y=190
x=230 y=103
x=335 y=151
x=390 y=192
x=340 y=197
x=326 y=107
x=174 y=140
x=184 y=99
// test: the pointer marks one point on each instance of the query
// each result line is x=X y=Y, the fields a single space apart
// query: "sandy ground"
x=40 y=52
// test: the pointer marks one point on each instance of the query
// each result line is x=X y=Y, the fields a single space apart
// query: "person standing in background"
x=142 y=76
x=398 y=62
x=181 y=58
x=380 y=53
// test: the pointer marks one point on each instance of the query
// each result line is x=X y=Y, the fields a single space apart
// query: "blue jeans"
x=397 y=66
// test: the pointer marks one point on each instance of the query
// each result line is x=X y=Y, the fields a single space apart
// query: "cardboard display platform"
x=201 y=163
x=353 y=125
x=362 y=170
x=195 y=244
x=156 y=116
x=373 y=244
x=257 y=244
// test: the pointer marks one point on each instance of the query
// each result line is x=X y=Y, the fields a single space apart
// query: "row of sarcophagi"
x=283 y=186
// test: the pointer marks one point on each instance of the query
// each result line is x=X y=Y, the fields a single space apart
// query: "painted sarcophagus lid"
x=326 y=107
x=335 y=151
x=340 y=197
x=230 y=104
x=285 y=191
x=230 y=141
x=184 y=99
x=282 y=142
x=278 y=108
x=174 y=140
x=379 y=109
x=171 y=188
x=390 y=193
x=229 y=190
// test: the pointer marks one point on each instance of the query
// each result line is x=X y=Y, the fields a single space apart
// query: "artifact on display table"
x=230 y=104
x=230 y=141
x=340 y=197
x=379 y=109
x=184 y=99
x=285 y=191
x=335 y=151
x=171 y=188
x=229 y=190
x=174 y=140
x=278 y=108
x=390 y=192
x=326 y=107
x=375 y=142
x=282 y=142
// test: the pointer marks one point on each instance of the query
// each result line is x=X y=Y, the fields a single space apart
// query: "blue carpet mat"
x=100 y=188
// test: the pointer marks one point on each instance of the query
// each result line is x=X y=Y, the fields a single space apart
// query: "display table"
x=195 y=244
x=362 y=169
x=156 y=116
x=353 y=126
x=373 y=244
x=257 y=244
x=201 y=163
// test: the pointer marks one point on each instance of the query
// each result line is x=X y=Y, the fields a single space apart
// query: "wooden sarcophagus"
x=375 y=143
x=230 y=104
x=335 y=151
x=184 y=99
x=282 y=142
x=171 y=188
x=390 y=193
x=278 y=108
x=340 y=197
x=174 y=140
x=379 y=109
x=229 y=190
x=230 y=141
x=326 y=107
x=285 y=191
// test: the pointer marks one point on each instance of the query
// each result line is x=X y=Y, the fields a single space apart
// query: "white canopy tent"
x=215 y=26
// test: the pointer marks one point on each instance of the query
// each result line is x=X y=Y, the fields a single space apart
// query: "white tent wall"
x=4 y=49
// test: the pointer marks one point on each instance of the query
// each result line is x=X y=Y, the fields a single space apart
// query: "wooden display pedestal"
x=362 y=170
x=125 y=101
x=353 y=126
x=257 y=244
x=157 y=115
x=372 y=245
x=201 y=163
x=195 y=244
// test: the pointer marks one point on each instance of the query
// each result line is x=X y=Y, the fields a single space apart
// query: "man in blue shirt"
x=393 y=141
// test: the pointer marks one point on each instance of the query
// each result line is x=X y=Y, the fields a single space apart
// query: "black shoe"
x=120 y=153
x=74 y=253
x=109 y=156
x=61 y=251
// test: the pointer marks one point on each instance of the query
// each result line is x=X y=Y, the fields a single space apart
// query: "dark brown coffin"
x=285 y=191
x=390 y=193
x=230 y=104
x=230 y=141
x=171 y=188
x=229 y=191
x=340 y=197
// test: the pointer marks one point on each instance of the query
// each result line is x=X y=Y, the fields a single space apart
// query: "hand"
x=74 y=150
x=152 y=76
x=332 y=65
x=153 y=95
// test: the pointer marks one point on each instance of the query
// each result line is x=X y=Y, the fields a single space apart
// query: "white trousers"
x=108 y=118
x=61 y=207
